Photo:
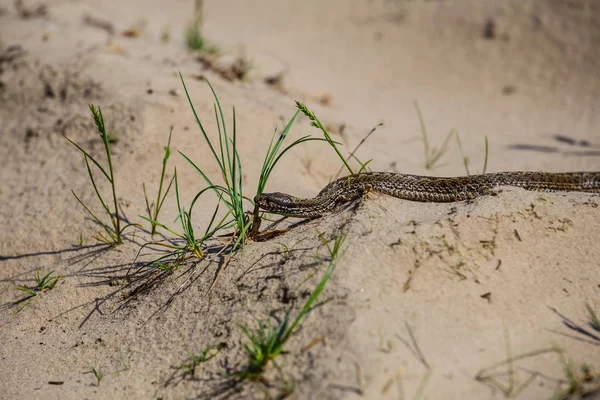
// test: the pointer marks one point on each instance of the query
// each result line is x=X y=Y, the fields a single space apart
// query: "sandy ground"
x=424 y=299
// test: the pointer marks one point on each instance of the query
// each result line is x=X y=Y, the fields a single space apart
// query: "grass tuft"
x=47 y=282
x=42 y=284
x=576 y=381
x=229 y=163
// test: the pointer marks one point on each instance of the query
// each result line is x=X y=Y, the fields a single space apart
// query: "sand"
x=426 y=300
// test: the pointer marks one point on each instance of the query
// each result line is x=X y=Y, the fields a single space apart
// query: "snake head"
x=289 y=206
x=274 y=202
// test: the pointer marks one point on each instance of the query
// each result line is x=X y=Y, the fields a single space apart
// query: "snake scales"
x=423 y=188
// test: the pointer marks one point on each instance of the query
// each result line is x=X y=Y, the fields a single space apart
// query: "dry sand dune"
x=426 y=300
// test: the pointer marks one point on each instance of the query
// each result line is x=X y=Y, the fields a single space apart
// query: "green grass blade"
x=98 y=221
x=166 y=192
x=85 y=153
x=220 y=136
x=104 y=205
x=200 y=124
x=99 y=120
x=152 y=221
x=216 y=188
x=311 y=300
x=212 y=219
x=159 y=202
x=219 y=107
x=269 y=170
x=363 y=166
x=273 y=150
x=206 y=178
x=485 y=160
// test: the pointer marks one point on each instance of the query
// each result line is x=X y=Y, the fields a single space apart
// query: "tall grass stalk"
x=112 y=234
x=154 y=209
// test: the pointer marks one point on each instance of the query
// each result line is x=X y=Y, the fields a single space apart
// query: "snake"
x=423 y=189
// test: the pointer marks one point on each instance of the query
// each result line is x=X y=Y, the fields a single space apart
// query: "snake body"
x=423 y=188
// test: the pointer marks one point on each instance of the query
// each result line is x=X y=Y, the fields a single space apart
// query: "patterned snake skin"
x=423 y=188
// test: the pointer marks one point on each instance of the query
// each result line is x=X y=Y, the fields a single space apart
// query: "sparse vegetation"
x=267 y=341
x=314 y=121
x=273 y=155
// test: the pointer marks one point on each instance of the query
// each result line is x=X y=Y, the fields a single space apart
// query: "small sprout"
x=98 y=374
x=195 y=359
x=48 y=282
